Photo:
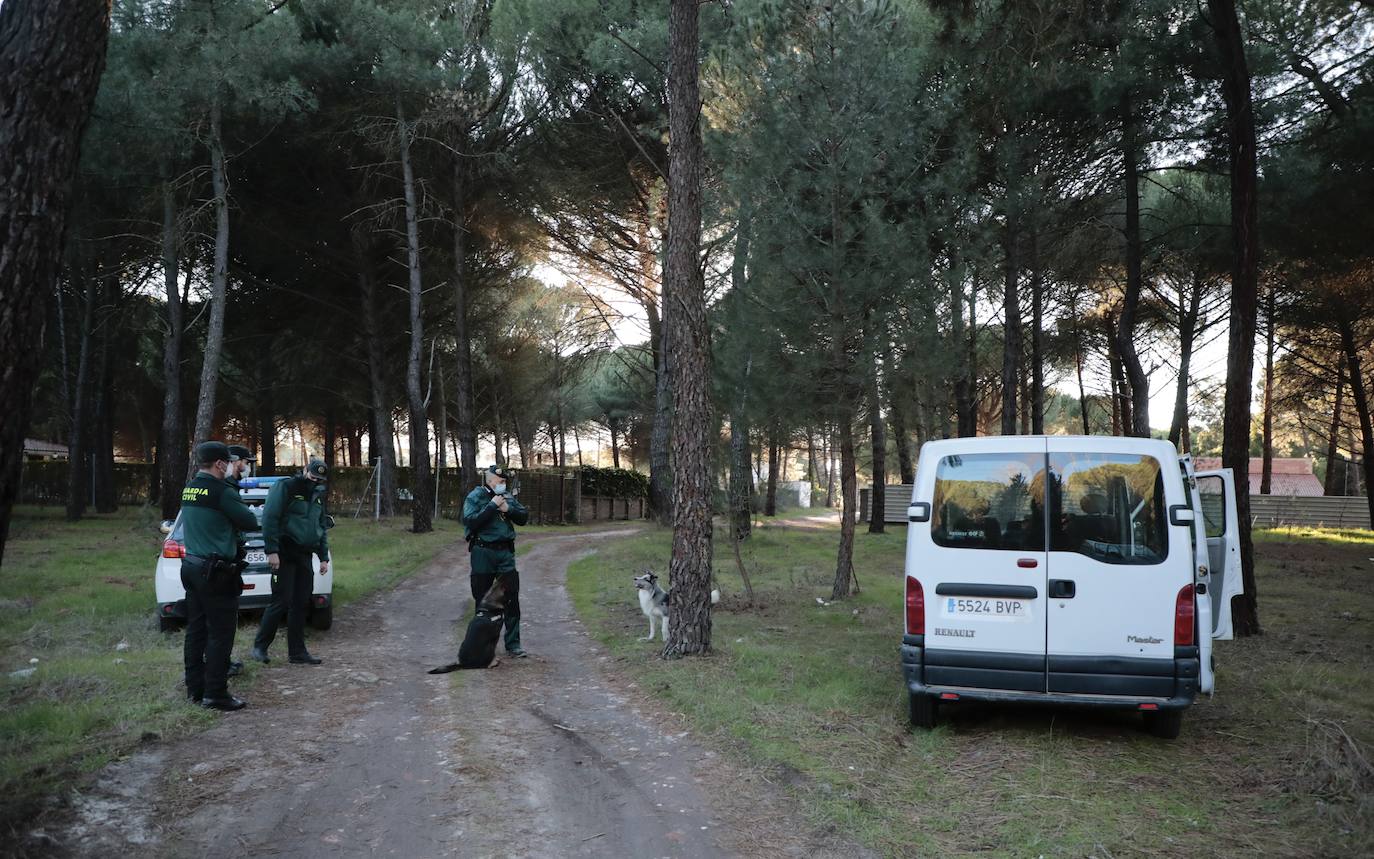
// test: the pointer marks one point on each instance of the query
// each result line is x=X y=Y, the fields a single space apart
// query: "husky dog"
x=478 y=649
x=654 y=600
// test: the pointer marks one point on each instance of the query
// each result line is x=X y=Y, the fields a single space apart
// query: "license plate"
x=256 y=556
x=985 y=607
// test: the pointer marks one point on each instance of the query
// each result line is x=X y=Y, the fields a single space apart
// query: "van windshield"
x=990 y=501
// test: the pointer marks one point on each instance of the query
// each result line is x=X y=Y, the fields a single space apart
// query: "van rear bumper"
x=1085 y=681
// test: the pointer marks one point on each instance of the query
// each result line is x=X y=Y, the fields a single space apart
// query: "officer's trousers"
x=292 y=585
x=211 y=619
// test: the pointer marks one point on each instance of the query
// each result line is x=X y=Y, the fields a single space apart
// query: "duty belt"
x=508 y=545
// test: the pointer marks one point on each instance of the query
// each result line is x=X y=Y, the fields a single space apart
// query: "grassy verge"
x=1276 y=764
x=77 y=606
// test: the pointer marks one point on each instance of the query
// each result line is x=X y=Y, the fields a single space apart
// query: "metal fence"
x=1266 y=511
x=552 y=497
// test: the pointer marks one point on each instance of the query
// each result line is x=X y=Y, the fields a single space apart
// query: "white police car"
x=257 y=578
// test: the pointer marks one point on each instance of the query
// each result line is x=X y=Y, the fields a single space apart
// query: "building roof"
x=34 y=447
x=1288 y=475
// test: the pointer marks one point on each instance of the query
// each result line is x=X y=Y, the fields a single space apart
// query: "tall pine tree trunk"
x=877 y=507
x=51 y=56
x=844 y=561
x=1011 y=325
x=660 y=475
x=1137 y=420
x=685 y=292
x=1187 y=330
x=462 y=380
x=172 y=454
x=1333 y=440
x=965 y=410
x=78 y=443
x=219 y=284
x=770 y=497
x=102 y=417
x=897 y=414
x=380 y=436
x=1267 y=450
x=1037 y=352
x=1360 y=397
x=420 y=487
x=1240 y=142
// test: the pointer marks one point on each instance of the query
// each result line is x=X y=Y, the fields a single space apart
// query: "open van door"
x=1218 y=574
x=1217 y=492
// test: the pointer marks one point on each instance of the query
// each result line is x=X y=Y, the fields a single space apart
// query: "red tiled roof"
x=1288 y=475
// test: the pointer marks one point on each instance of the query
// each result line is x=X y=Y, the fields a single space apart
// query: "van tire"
x=1164 y=724
x=322 y=618
x=921 y=710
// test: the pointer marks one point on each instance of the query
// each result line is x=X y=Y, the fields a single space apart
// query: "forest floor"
x=789 y=740
x=809 y=696
x=369 y=755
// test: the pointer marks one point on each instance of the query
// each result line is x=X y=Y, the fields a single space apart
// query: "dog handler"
x=294 y=526
x=489 y=517
x=213 y=514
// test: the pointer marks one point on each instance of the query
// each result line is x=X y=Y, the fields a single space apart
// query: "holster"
x=223 y=578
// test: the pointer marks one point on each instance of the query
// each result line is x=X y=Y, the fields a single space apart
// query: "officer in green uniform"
x=212 y=515
x=489 y=514
x=294 y=526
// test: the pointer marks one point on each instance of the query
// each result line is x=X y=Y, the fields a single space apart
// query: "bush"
x=613 y=482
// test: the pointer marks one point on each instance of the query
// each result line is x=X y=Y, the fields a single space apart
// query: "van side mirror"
x=166 y=526
x=1181 y=514
x=919 y=511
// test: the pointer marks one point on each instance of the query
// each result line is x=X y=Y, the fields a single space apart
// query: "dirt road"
x=367 y=755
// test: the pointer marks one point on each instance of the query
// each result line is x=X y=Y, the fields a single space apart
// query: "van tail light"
x=1184 y=612
x=915 y=607
x=172 y=549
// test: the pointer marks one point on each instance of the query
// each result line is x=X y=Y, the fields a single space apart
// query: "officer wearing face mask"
x=489 y=517
x=214 y=517
x=295 y=526
x=239 y=470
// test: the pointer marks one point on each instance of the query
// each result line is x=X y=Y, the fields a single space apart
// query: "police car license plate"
x=985 y=607
x=256 y=556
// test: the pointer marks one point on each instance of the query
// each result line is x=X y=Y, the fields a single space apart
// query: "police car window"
x=1108 y=506
x=1211 y=492
x=989 y=501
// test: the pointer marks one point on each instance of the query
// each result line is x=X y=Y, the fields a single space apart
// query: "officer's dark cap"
x=209 y=452
x=317 y=469
x=241 y=452
x=498 y=470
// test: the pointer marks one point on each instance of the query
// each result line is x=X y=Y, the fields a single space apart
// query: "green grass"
x=1274 y=764
x=1337 y=536
x=73 y=595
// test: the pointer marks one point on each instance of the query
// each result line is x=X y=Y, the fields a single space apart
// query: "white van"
x=1066 y=570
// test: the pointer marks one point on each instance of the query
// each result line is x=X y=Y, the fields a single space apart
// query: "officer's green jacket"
x=294 y=516
x=482 y=521
x=212 y=514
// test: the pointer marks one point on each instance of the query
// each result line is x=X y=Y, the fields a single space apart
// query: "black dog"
x=478 y=649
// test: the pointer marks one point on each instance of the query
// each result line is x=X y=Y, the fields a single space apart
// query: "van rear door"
x=1116 y=569
x=1217 y=492
x=982 y=564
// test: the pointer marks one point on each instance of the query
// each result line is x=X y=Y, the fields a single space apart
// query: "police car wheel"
x=921 y=710
x=322 y=618
x=169 y=624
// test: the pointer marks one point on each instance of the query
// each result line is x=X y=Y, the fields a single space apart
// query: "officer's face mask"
x=499 y=489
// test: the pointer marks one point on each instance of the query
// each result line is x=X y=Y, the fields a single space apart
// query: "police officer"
x=294 y=526
x=489 y=514
x=213 y=514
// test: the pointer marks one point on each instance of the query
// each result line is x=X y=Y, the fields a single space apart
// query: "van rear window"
x=1108 y=506
x=990 y=501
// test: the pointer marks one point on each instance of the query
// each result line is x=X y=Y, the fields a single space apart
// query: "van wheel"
x=921 y=710
x=322 y=618
x=1164 y=724
x=169 y=624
